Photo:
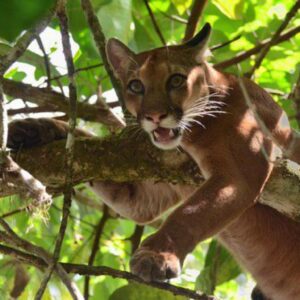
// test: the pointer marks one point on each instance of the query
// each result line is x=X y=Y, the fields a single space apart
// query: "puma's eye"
x=176 y=81
x=136 y=86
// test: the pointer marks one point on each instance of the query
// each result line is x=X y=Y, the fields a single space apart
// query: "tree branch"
x=3 y=124
x=95 y=248
x=76 y=71
x=46 y=60
x=221 y=45
x=47 y=98
x=194 y=18
x=117 y=158
x=274 y=38
x=100 y=41
x=174 y=18
x=14 y=175
x=256 y=49
x=11 y=238
x=135 y=238
x=69 y=154
x=155 y=25
x=100 y=271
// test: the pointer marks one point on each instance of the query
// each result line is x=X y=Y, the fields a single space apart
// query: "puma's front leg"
x=214 y=205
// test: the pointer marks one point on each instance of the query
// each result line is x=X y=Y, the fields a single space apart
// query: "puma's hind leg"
x=30 y=132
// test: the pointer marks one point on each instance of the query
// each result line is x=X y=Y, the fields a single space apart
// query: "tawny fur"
x=234 y=154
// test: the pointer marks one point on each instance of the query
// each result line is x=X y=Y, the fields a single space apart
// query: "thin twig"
x=11 y=238
x=100 y=41
x=174 y=17
x=135 y=238
x=95 y=248
x=30 y=110
x=3 y=123
x=256 y=49
x=76 y=71
x=197 y=10
x=85 y=270
x=219 y=46
x=46 y=59
x=14 y=212
x=154 y=22
x=274 y=38
x=69 y=155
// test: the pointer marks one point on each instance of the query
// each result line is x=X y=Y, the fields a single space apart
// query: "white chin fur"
x=166 y=146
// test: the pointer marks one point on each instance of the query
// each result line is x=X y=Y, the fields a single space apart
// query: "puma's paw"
x=154 y=266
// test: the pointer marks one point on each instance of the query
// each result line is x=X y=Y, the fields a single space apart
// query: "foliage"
x=129 y=20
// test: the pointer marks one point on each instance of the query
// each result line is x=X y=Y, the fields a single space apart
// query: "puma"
x=182 y=101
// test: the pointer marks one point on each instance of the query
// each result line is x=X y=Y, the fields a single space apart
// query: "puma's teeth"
x=155 y=134
x=171 y=133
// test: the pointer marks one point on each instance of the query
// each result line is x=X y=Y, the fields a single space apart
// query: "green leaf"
x=119 y=25
x=134 y=291
x=19 y=76
x=30 y=58
x=219 y=267
x=19 y=15
x=233 y=9
x=182 y=5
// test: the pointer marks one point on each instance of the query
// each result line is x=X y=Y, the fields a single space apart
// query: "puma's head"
x=164 y=88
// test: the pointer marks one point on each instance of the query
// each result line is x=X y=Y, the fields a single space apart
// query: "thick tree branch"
x=118 y=158
x=197 y=10
x=256 y=49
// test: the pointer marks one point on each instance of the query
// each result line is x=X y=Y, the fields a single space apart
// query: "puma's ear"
x=119 y=56
x=199 y=43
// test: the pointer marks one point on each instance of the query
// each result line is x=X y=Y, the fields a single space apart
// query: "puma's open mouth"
x=165 y=135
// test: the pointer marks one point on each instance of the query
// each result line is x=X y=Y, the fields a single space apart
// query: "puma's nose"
x=156 y=117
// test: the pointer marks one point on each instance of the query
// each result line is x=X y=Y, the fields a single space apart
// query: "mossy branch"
x=122 y=159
